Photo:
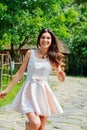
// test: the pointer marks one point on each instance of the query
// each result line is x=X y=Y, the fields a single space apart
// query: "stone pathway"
x=72 y=95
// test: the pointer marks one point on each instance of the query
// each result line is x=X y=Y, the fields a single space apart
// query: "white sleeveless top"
x=38 y=68
x=36 y=95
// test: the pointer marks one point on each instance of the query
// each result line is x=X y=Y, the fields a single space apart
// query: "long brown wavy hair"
x=54 y=54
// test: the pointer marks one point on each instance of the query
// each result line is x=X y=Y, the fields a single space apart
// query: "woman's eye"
x=45 y=38
x=48 y=38
x=42 y=37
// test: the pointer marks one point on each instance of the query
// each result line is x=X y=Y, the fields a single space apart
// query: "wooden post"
x=1 y=63
x=0 y=76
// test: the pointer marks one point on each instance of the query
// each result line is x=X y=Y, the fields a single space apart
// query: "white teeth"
x=45 y=44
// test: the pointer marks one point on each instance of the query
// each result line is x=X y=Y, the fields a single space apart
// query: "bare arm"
x=18 y=75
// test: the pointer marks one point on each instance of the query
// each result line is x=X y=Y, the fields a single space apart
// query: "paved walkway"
x=72 y=94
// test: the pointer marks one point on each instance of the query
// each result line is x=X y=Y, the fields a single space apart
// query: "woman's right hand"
x=3 y=94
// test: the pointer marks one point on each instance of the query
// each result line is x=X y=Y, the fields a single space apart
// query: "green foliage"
x=78 y=43
x=24 y=19
x=21 y=20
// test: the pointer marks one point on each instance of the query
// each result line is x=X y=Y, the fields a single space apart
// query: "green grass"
x=49 y=122
x=11 y=95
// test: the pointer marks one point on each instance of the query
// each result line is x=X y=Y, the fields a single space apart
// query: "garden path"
x=72 y=94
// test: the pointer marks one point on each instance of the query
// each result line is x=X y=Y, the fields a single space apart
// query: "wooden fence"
x=7 y=67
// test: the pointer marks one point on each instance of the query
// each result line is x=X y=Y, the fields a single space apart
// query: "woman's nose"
x=45 y=39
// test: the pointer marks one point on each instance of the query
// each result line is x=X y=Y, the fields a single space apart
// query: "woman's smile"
x=45 y=40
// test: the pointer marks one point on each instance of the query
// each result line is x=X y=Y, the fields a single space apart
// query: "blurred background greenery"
x=21 y=21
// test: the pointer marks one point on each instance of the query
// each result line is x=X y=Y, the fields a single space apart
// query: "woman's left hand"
x=61 y=75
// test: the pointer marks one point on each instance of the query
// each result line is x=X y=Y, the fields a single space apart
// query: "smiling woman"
x=36 y=99
x=45 y=42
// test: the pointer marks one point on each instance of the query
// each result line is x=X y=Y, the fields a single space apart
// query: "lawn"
x=9 y=98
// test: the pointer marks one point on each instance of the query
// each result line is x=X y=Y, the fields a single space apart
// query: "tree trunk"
x=12 y=52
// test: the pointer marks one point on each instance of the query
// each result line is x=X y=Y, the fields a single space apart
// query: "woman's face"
x=45 y=40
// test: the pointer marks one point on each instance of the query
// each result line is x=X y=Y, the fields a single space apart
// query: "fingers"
x=3 y=94
x=61 y=75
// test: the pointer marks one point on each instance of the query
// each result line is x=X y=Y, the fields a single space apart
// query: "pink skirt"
x=36 y=96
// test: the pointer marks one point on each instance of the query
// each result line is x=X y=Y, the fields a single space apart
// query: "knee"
x=36 y=124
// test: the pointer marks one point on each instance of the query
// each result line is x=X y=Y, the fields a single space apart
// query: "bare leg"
x=43 y=122
x=34 y=121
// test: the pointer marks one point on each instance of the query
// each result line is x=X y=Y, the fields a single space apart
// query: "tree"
x=22 y=20
x=78 y=43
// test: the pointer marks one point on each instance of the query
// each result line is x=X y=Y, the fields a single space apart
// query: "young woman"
x=36 y=99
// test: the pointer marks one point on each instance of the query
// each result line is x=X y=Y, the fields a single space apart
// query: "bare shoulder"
x=28 y=53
